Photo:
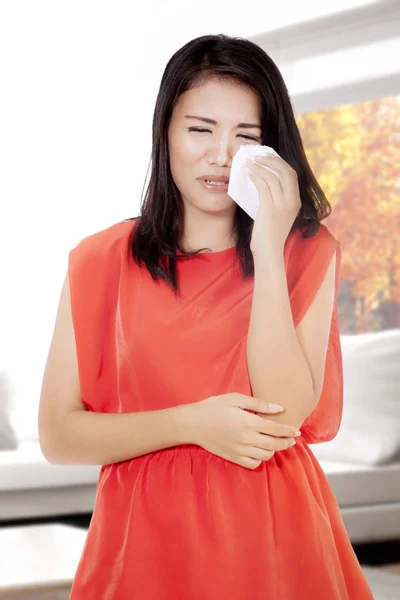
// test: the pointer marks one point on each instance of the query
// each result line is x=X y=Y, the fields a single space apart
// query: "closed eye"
x=202 y=129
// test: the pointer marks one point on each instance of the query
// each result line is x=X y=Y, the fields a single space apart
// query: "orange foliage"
x=354 y=151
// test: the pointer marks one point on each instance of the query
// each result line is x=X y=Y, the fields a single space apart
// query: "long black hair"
x=156 y=237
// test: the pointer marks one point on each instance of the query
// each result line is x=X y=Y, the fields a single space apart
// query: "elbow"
x=315 y=396
x=309 y=402
x=49 y=443
x=308 y=394
x=47 y=449
x=52 y=457
x=301 y=409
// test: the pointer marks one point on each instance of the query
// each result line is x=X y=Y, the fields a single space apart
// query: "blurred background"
x=78 y=86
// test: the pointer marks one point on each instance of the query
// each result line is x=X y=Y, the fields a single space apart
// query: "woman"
x=177 y=335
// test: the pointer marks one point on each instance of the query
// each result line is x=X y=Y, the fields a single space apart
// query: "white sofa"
x=32 y=488
x=362 y=463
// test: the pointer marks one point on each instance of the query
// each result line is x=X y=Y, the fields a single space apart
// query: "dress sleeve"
x=308 y=260
x=89 y=281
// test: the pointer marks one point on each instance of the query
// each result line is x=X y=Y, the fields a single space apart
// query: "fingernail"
x=297 y=433
x=275 y=406
x=293 y=442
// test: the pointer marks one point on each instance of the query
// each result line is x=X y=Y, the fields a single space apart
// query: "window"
x=354 y=151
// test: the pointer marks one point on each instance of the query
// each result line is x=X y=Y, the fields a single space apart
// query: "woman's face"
x=198 y=148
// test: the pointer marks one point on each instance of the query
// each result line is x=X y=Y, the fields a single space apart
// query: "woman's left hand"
x=279 y=204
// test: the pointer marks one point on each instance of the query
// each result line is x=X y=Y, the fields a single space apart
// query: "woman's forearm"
x=277 y=367
x=90 y=438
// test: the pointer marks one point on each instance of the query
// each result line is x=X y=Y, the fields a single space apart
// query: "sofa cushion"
x=27 y=468
x=361 y=485
x=370 y=430
x=8 y=440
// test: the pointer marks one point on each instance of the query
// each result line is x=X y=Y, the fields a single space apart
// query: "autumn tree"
x=354 y=151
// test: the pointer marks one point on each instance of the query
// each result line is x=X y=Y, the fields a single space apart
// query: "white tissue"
x=241 y=188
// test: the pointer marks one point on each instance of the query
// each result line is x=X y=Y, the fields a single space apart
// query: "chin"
x=216 y=205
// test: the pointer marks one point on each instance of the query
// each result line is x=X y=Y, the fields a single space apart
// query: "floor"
x=383 y=555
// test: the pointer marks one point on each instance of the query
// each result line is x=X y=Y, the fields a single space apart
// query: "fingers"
x=277 y=429
x=261 y=445
x=249 y=463
x=274 y=444
x=263 y=425
x=285 y=172
x=258 y=404
x=255 y=453
x=263 y=448
x=253 y=456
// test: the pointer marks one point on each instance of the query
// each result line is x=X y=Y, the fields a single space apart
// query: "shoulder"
x=108 y=238
x=322 y=237
x=105 y=243
x=299 y=248
x=93 y=254
x=309 y=257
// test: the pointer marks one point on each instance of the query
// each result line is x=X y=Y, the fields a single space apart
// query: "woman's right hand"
x=222 y=426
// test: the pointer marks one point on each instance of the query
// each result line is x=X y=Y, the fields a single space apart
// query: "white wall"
x=79 y=81
x=339 y=58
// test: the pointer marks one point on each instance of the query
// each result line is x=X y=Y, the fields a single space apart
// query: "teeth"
x=216 y=182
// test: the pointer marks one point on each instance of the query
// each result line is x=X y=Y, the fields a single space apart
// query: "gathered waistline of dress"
x=193 y=449
x=182 y=449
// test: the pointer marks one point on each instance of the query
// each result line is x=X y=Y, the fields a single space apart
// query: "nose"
x=221 y=152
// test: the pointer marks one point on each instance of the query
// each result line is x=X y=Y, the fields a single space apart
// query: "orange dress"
x=182 y=523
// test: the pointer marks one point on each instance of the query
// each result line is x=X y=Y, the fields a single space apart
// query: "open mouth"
x=215 y=186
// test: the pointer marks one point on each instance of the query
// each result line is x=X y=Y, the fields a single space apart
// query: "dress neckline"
x=216 y=254
x=227 y=250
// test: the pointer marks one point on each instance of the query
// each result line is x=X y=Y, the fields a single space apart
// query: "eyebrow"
x=212 y=122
